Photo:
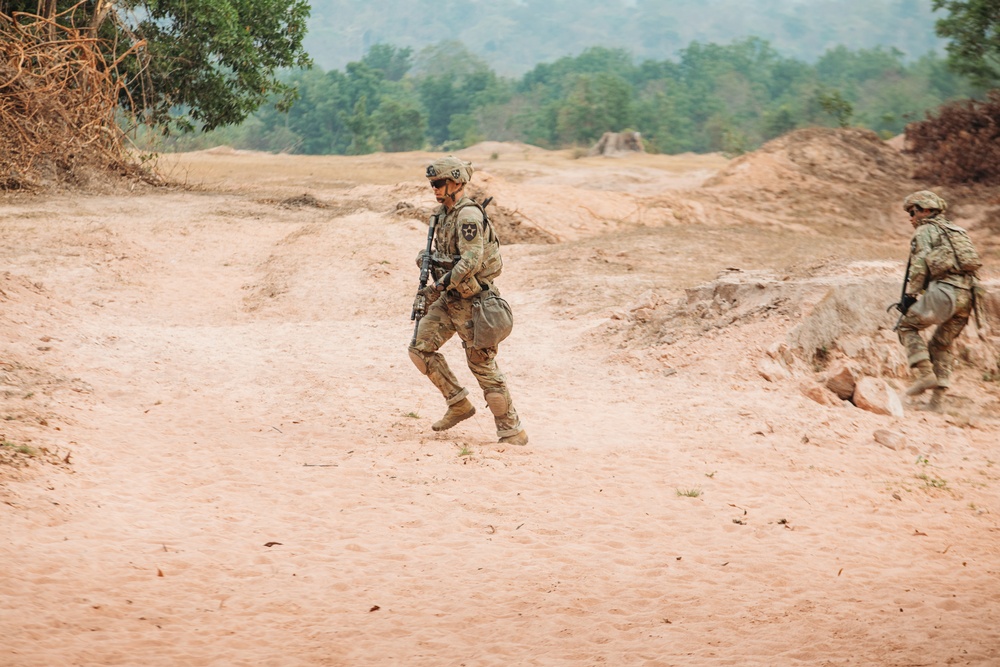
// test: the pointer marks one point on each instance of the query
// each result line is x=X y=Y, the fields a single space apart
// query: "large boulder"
x=618 y=143
x=875 y=395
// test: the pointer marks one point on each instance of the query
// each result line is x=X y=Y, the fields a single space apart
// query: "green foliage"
x=729 y=98
x=393 y=63
x=217 y=58
x=973 y=26
x=192 y=63
x=595 y=104
x=832 y=103
x=401 y=124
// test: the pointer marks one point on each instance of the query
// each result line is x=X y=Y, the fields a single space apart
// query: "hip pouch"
x=492 y=319
x=935 y=305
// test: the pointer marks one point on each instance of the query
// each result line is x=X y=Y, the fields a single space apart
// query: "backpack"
x=492 y=317
x=958 y=255
x=491 y=234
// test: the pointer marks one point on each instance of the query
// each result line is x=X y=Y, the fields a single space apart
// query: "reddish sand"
x=233 y=463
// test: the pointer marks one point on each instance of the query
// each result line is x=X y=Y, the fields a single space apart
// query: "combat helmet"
x=926 y=200
x=451 y=168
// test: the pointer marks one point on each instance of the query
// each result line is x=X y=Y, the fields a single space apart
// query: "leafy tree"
x=451 y=83
x=402 y=125
x=833 y=103
x=393 y=63
x=362 y=128
x=317 y=117
x=215 y=59
x=596 y=104
x=730 y=98
x=840 y=67
x=974 y=29
x=778 y=122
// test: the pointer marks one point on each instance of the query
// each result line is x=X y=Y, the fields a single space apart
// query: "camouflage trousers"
x=445 y=317
x=949 y=308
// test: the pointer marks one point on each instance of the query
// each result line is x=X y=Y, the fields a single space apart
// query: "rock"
x=771 y=370
x=618 y=143
x=700 y=293
x=816 y=392
x=891 y=439
x=779 y=351
x=643 y=314
x=854 y=347
x=875 y=395
x=648 y=300
x=841 y=380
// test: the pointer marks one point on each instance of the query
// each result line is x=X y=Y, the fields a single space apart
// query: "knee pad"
x=418 y=360
x=498 y=403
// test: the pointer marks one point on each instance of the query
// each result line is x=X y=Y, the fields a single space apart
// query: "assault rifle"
x=905 y=300
x=420 y=302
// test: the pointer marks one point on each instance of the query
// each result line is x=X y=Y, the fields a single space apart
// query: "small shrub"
x=961 y=144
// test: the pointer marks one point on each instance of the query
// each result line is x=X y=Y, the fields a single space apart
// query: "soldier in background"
x=939 y=290
x=468 y=245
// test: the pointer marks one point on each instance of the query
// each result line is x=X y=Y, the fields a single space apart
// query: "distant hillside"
x=515 y=35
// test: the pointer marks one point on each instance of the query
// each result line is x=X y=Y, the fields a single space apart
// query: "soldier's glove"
x=904 y=304
x=419 y=306
x=420 y=259
x=430 y=294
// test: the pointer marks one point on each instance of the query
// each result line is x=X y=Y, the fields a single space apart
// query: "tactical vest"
x=492 y=263
x=954 y=253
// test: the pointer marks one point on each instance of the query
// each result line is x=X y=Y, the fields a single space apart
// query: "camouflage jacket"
x=927 y=237
x=462 y=233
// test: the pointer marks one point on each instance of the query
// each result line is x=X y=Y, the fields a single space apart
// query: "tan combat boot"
x=925 y=378
x=519 y=438
x=458 y=412
x=937 y=399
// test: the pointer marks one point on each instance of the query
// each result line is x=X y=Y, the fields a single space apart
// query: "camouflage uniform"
x=945 y=301
x=462 y=233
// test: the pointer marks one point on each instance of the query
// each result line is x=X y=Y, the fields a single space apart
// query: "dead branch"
x=60 y=96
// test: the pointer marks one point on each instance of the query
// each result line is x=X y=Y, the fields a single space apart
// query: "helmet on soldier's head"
x=451 y=168
x=926 y=200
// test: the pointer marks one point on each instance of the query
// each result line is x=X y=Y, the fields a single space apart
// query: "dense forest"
x=515 y=35
x=712 y=97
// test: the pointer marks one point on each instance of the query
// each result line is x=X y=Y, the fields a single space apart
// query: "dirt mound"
x=838 y=155
x=820 y=176
x=494 y=150
x=802 y=323
x=509 y=224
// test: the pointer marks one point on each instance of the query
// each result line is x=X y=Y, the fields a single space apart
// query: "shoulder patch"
x=469 y=230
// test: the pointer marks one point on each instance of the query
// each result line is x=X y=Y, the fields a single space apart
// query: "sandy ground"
x=227 y=456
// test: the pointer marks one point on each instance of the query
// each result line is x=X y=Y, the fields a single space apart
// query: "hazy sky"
x=514 y=35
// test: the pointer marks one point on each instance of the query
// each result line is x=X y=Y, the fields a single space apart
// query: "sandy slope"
x=252 y=479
